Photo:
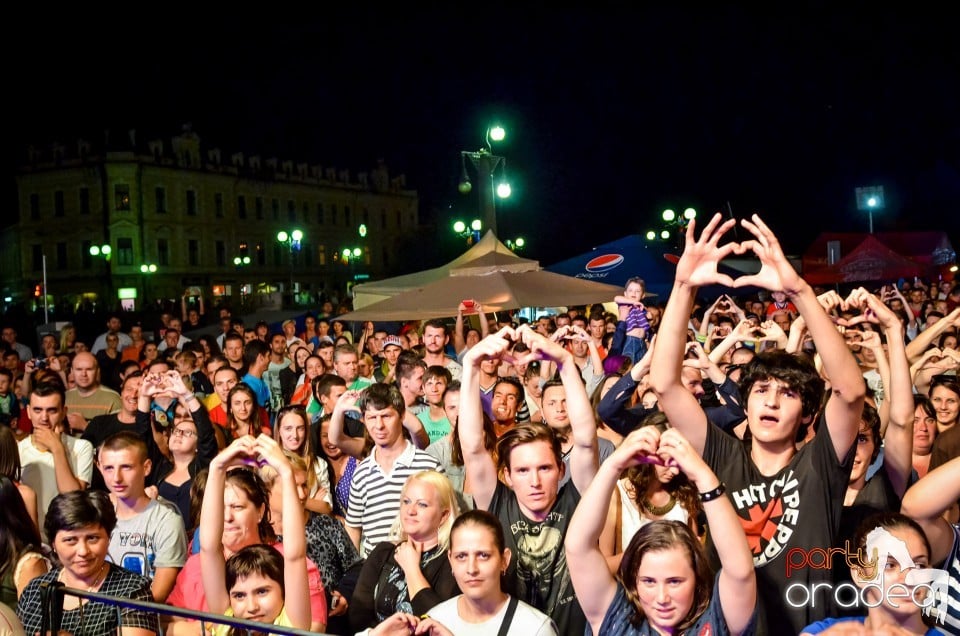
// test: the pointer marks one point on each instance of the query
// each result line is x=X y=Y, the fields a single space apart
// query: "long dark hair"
x=18 y=534
x=641 y=476
x=9 y=454
x=666 y=535
x=250 y=482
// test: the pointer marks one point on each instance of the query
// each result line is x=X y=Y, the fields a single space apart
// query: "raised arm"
x=898 y=437
x=479 y=466
x=847 y=389
x=212 y=563
x=352 y=446
x=929 y=335
x=697 y=266
x=585 y=454
x=927 y=500
x=737 y=580
x=296 y=597
x=592 y=581
x=459 y=342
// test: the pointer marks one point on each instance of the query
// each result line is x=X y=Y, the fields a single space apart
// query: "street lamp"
x=292 y=240
x=472 y=233
x=486 y=164
x=101 y=250
x=671 y=220
x=147 y=269
x=870 y=199
x=517 y=244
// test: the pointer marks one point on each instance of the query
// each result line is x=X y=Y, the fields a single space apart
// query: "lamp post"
x=486 y=165
x=105 y=251
x=292 y=240
x=516 y=244
x=670 y=220
x=472 y=233
x=870 y=199
x=148 y=270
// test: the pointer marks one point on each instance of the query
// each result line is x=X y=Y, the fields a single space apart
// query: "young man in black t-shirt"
x=786 y=499
x=532 y=506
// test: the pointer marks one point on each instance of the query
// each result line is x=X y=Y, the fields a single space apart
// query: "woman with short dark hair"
x=79 y=524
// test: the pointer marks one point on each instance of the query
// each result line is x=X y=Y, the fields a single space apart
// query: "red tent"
x=871 y=260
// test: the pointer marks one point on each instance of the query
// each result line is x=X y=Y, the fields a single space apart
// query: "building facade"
x=126 y=226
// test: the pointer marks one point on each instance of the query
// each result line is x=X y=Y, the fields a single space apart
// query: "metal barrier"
x=51 y=601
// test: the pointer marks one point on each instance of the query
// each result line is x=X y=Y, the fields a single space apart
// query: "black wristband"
x=710 y=495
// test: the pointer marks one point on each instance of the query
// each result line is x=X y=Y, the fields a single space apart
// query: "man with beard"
x=435 y=340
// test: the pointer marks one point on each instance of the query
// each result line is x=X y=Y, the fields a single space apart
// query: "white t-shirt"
x=153 y=539
x=527 y=621
x=39 y=473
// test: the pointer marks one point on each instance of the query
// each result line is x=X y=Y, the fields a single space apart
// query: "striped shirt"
x=375 y=495
x=951 y=623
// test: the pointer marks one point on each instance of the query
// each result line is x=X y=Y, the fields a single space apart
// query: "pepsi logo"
x=603 y=263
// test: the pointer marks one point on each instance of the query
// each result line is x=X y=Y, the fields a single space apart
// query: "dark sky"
x=612 y=114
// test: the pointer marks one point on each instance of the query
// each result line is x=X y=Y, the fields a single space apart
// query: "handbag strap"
x=508 y=617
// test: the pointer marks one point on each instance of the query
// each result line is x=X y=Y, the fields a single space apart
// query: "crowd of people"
x=784 y=461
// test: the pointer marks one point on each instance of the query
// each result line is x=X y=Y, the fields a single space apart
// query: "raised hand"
x=776 y=273
x=701 y=257
x=493 y=347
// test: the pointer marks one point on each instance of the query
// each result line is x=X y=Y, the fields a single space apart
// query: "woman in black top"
x=411 y=574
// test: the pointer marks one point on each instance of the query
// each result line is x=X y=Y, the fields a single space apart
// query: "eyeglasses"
x=183 y=432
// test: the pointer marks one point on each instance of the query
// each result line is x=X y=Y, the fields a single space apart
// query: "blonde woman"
x=410 y=573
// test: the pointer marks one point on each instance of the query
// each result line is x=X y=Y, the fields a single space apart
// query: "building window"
x=124 y=251
x=160 y=196
x=383 y=219
x=333 y=214
x=320 y=213
x=35 y=207
x=261 y=255
x=58 y=203
x=163 y=252
x=84 y=200
x=193 y=252
x=241 y=207
x=306 y=212
x=322 y=255
x=121 y=195
x=218 y=204
x=221 y=251
x=192 y=202
x=307 y=255
x=398 y=219
x=86 y=260
x=276 y=209
x=346 y=215
x=37 y=260
x=366 y=215
x=259 y=208
x=291 y=211
x=386 y=258
x=61 y=256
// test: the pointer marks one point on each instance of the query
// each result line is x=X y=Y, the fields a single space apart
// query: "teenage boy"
x=378 y=479
x=434 y=420
x=532 y=506
x=786 y=499
x=149 y=537
x=256 y=358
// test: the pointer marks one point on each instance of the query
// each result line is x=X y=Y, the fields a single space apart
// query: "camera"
x=39 y=363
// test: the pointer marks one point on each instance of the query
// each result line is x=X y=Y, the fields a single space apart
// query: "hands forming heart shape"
x=497 y=346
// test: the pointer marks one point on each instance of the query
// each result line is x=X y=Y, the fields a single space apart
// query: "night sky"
x=611 y=114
